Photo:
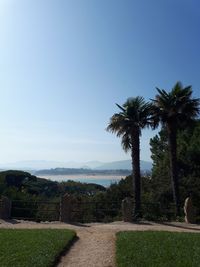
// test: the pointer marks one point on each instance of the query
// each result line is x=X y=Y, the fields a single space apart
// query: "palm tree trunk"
x=135 y=154
x=173 y=166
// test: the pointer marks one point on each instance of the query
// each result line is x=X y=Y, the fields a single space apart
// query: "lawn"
x=157 y=249
x=24 y=248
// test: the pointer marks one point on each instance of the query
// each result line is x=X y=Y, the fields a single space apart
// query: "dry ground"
x=95 y=246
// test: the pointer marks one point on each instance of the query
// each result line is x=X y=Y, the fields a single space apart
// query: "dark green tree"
x=161 y=186
x=127 y=124
x=174 y=110
x=188 y=155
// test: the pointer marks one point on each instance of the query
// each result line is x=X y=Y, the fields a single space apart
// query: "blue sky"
x=65 y=63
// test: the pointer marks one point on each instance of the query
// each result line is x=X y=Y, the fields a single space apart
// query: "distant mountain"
x=45 y=164
x=91 y=164
x=33 y=165
x=124 y=165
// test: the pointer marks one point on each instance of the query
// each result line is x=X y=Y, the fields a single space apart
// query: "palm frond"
x=120 y=107
x=134 y=115
x=126 y=142
x=176 y=106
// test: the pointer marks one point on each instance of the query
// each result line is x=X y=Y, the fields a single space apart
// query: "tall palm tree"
x=134 y=115
x=174 y=110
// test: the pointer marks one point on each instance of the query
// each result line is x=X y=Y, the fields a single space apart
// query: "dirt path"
x=95 y=246
x=93 y=249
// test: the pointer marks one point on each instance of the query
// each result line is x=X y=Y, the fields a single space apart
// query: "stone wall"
x=189 y=210
x=127 y=209
x=5 y=208
x=67 y=206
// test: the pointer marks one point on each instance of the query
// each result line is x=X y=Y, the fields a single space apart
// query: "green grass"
x=24 y=248
x=157 y=249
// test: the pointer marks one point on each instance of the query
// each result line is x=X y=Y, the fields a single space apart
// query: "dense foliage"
x=174 y=110
x=22 y=185
x=188 y=155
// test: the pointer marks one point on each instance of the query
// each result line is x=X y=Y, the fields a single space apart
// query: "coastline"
x=105 y=180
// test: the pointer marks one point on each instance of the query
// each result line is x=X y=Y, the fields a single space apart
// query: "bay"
x=104 y=180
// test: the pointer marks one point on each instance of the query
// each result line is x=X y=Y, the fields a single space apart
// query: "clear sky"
x=65 y=63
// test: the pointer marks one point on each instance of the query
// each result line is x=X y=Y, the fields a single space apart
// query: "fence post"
x=5 y=208
x=189 y=211
x=66 y=208
x=127 y=209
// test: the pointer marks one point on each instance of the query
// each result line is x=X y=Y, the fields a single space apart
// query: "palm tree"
x=174 y=110
x=127 y=124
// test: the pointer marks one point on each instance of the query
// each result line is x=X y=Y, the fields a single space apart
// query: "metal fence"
x=157 y=211
x=36 y=211
x=112 y=211
x=82 y=211
x=86 y=211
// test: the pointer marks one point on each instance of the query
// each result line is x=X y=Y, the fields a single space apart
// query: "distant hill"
x=33 y=165
x=23 y=185
x=30 y=165
x=124 y=165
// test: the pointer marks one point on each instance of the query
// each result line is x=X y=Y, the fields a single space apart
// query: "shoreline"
x=83 y=176
x=104 y=180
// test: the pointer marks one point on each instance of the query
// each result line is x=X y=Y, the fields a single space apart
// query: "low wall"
x=5 y=208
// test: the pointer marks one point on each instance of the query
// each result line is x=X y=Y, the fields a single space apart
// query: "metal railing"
x=86 y=211
x=89 y=211
x=35 y=210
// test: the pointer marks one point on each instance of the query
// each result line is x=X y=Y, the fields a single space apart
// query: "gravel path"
x=93 y=249
x=95 y=246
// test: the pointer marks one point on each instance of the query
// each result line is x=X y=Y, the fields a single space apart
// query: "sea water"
x=104 y=180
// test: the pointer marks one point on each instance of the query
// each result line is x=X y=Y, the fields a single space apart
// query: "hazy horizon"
x=44 y=164
x=64 y=65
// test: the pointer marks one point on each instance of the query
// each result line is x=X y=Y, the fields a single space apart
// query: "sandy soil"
x=95 y=246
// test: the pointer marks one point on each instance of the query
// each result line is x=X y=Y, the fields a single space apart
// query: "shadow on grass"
x=78 y=224
x=141 y=223
x=180 y=226
x=65 y=251
x=12 y=221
